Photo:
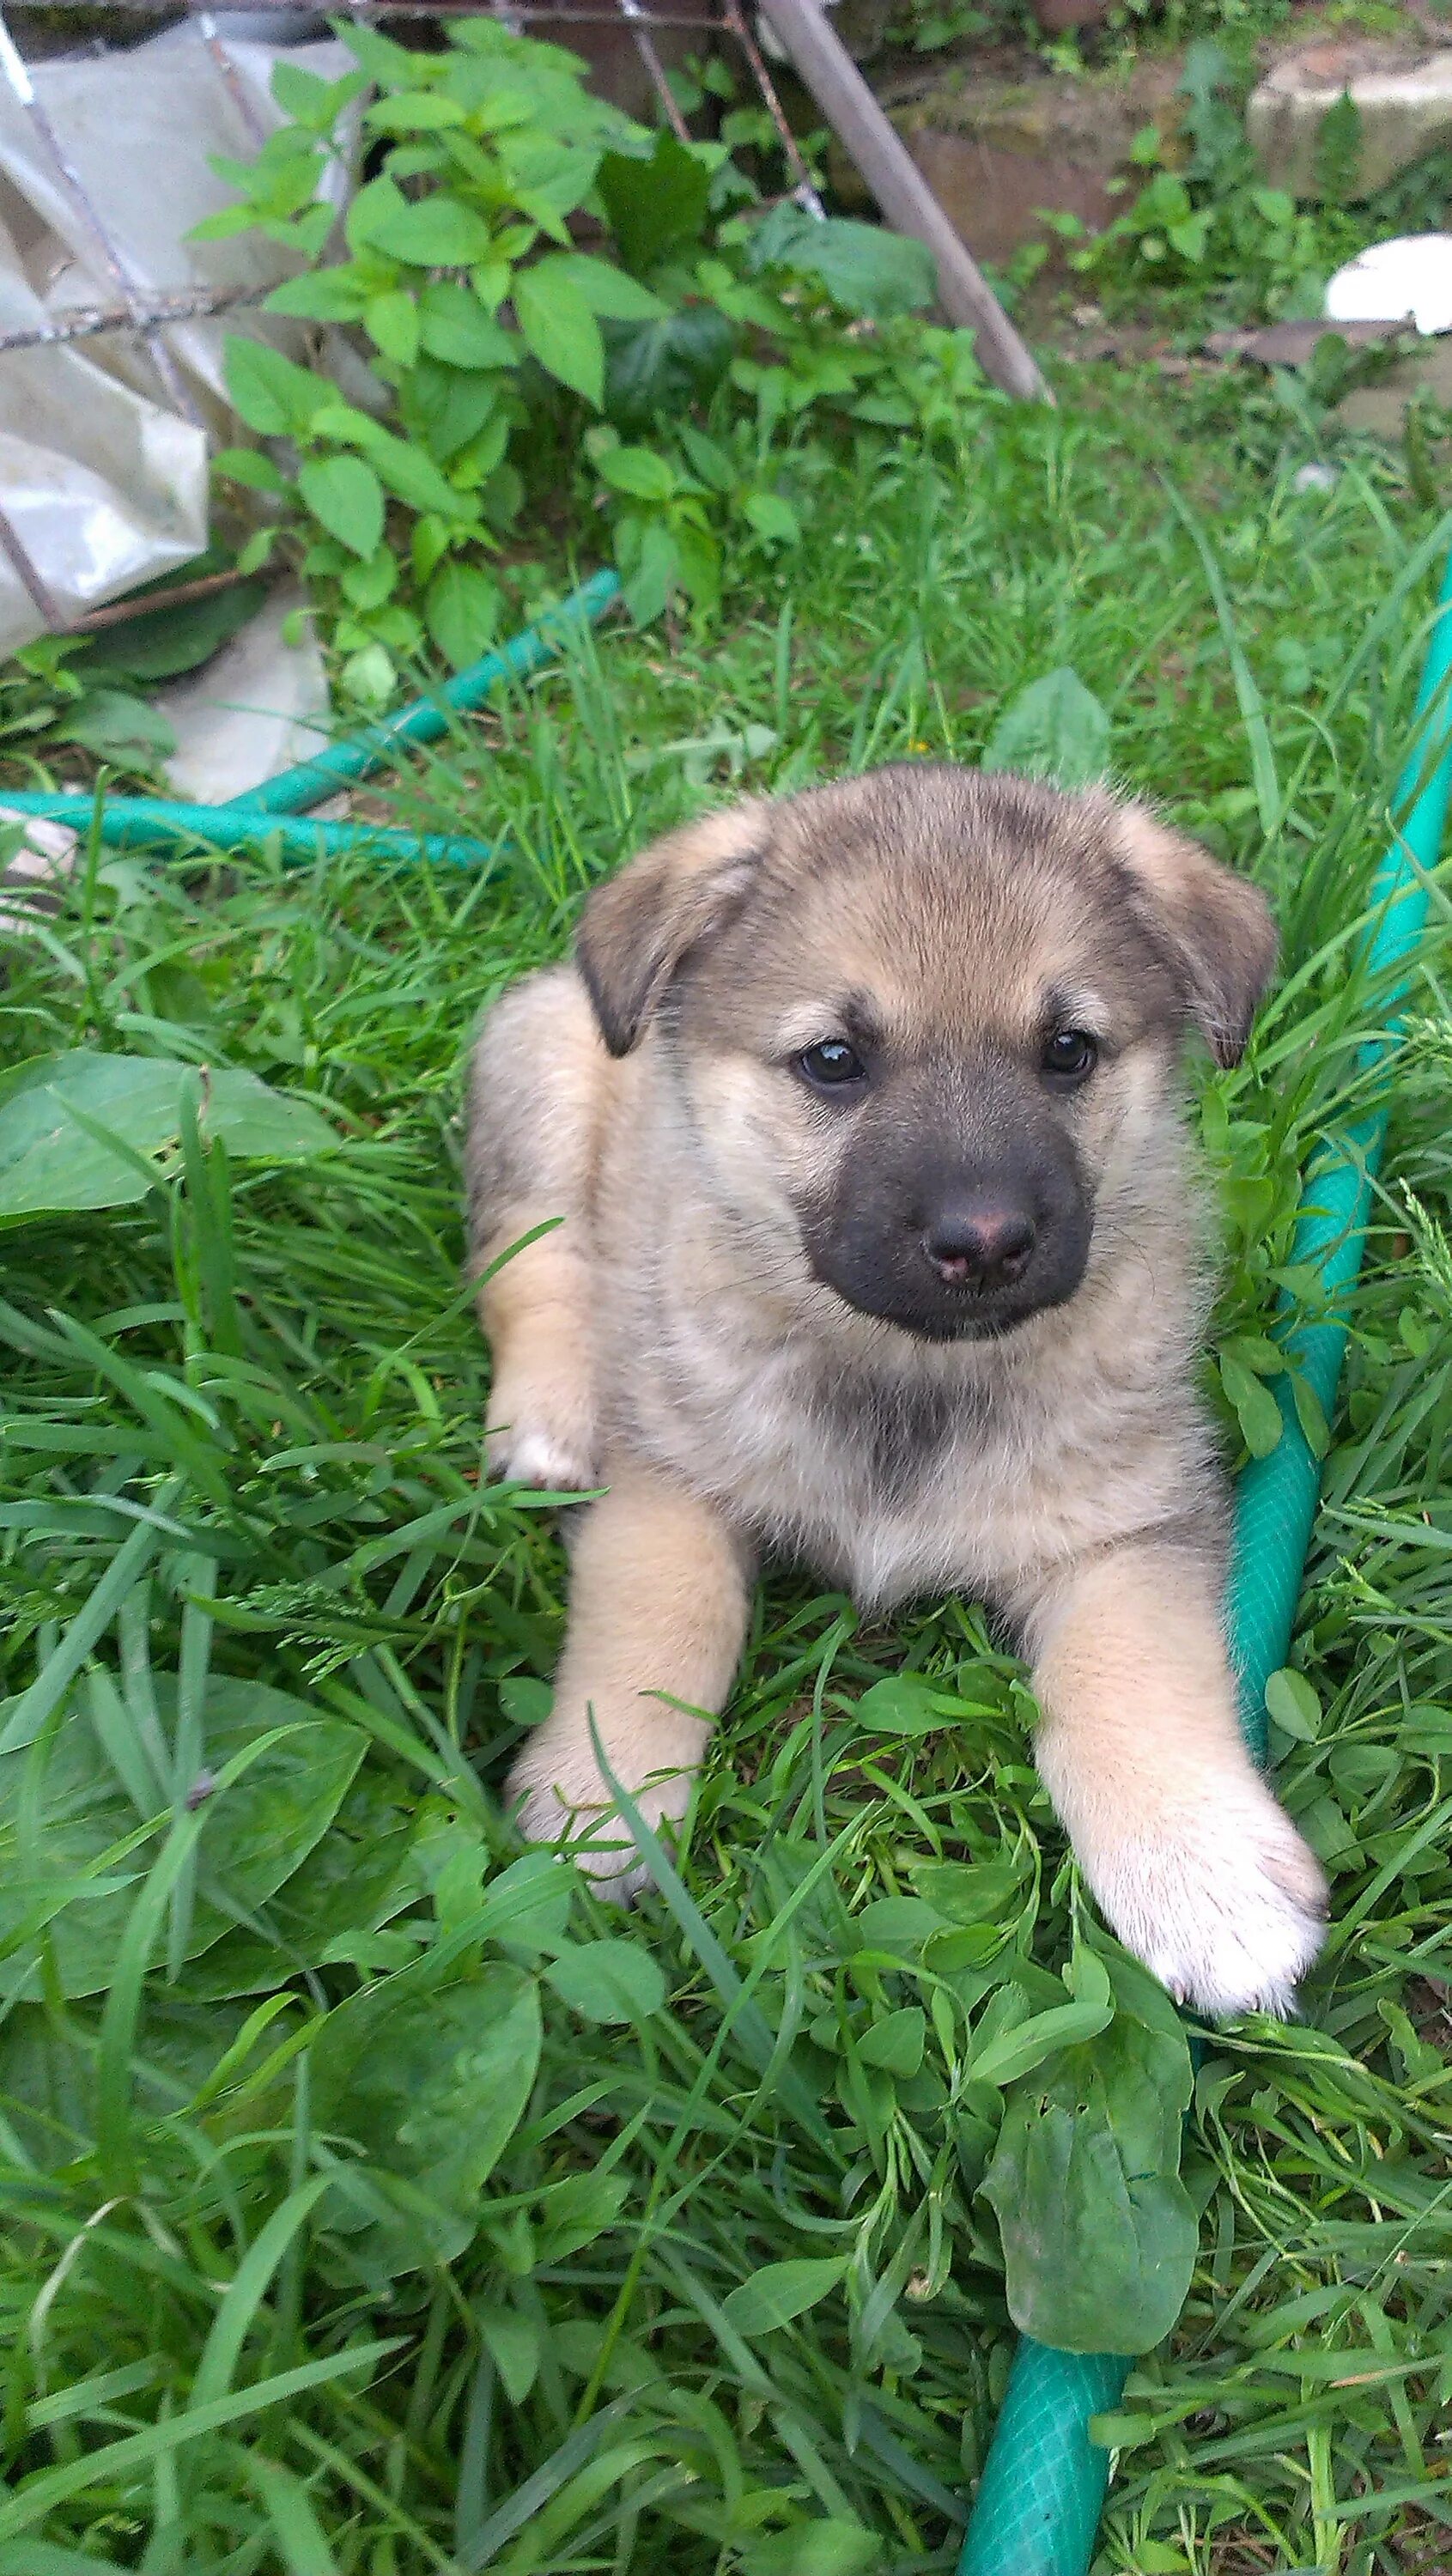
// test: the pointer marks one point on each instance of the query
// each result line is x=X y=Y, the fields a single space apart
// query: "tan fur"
x=1140 y=1749
x=658 y=1605
x=672 y=1340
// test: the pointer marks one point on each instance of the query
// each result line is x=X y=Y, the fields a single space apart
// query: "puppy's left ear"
x=638 y=926
x=1216 y=927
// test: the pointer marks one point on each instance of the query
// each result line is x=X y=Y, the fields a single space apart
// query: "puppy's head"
x=925 y=1023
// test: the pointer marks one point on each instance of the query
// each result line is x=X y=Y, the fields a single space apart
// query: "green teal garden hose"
x=296 y=791
x=1036 y=2512
x=146 y=822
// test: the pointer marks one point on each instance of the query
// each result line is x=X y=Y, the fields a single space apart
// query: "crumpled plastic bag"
x=103 y=453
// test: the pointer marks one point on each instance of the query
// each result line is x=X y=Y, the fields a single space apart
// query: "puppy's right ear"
x=637 y=928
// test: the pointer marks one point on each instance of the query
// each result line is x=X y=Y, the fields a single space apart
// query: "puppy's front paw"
x=535 y=1437
x=1225 y=1903
x=564 y=1801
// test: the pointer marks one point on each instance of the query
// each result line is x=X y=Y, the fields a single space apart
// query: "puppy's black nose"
x=980 y=1245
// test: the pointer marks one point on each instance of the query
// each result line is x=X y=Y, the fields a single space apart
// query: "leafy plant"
x=512 y=363
x=1204 y=225
x=88 y=692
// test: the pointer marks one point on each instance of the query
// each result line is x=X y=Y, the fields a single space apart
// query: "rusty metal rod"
x=120 y=611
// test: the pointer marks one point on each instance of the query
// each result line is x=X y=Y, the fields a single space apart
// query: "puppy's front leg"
x=1198 y=1869
x=659 y=1593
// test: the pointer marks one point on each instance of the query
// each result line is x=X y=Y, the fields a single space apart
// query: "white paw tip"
x=538 y=1459
x=1229 y=1923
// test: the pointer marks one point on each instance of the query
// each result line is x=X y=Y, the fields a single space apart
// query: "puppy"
x=880 y=1249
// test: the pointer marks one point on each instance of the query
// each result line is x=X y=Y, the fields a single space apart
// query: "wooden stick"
x=826 y=68
x=121 y=611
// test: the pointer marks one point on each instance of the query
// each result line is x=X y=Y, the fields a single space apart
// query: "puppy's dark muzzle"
x=965 y=1263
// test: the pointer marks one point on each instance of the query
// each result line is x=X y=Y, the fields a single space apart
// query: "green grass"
x=307 y=2263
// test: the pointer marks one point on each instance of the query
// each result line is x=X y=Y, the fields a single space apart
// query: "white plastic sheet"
x=257 y=709
x=103 y=441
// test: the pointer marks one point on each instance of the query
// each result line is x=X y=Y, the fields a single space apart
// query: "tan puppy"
x=880 y=1248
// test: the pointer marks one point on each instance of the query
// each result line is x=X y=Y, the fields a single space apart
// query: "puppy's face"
x=924 y=1024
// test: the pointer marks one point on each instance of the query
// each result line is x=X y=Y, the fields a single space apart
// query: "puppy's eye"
x=1070 y=1055
x=829 y=1065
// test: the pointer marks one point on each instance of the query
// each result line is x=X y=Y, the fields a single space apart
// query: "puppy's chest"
x=888 y=1486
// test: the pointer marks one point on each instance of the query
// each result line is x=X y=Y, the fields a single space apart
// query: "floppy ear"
x=637 y=927
x=1215 y=927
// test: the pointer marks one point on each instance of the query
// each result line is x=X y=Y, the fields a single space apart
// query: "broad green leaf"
x=528 y=1905
x=392 y=324
x=424 y=232
x=608 y=1981
x=455 y=328
x=773 y=518
x=1257 y=1411
x=525 y=1700
x=49 y=1160
x=117 y=726
x=968 y=1891
x=430 y=2079
x=416 y=112
x=366 y=585
x=1310 y=1413
x=548 y=179
x=901 y=1705
x=462 y=608
x=1099 y=2233
x=1054 y=729
x=657 y=370
x=362 y=1872
x=1327 y=1831
x=173 y=640
x=309 y=100
x=895 y=2044
x=650 y=572
x=863 y=267
x=574 y=2212
x=514 y=2344
x=781 y=2291
x=369 y=676
x=713 y=463
x=413 y=477
x=346 y=497
x=252 y=1839
x=273 y=396
x=654 y=205
x=320 y=295
x=247 y=465
x=638 y=471
x=900 y=1924
x=609 y=292
x=1016 y=2052
x=444 y=409
x=1292 y=1702
x=559 y=328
